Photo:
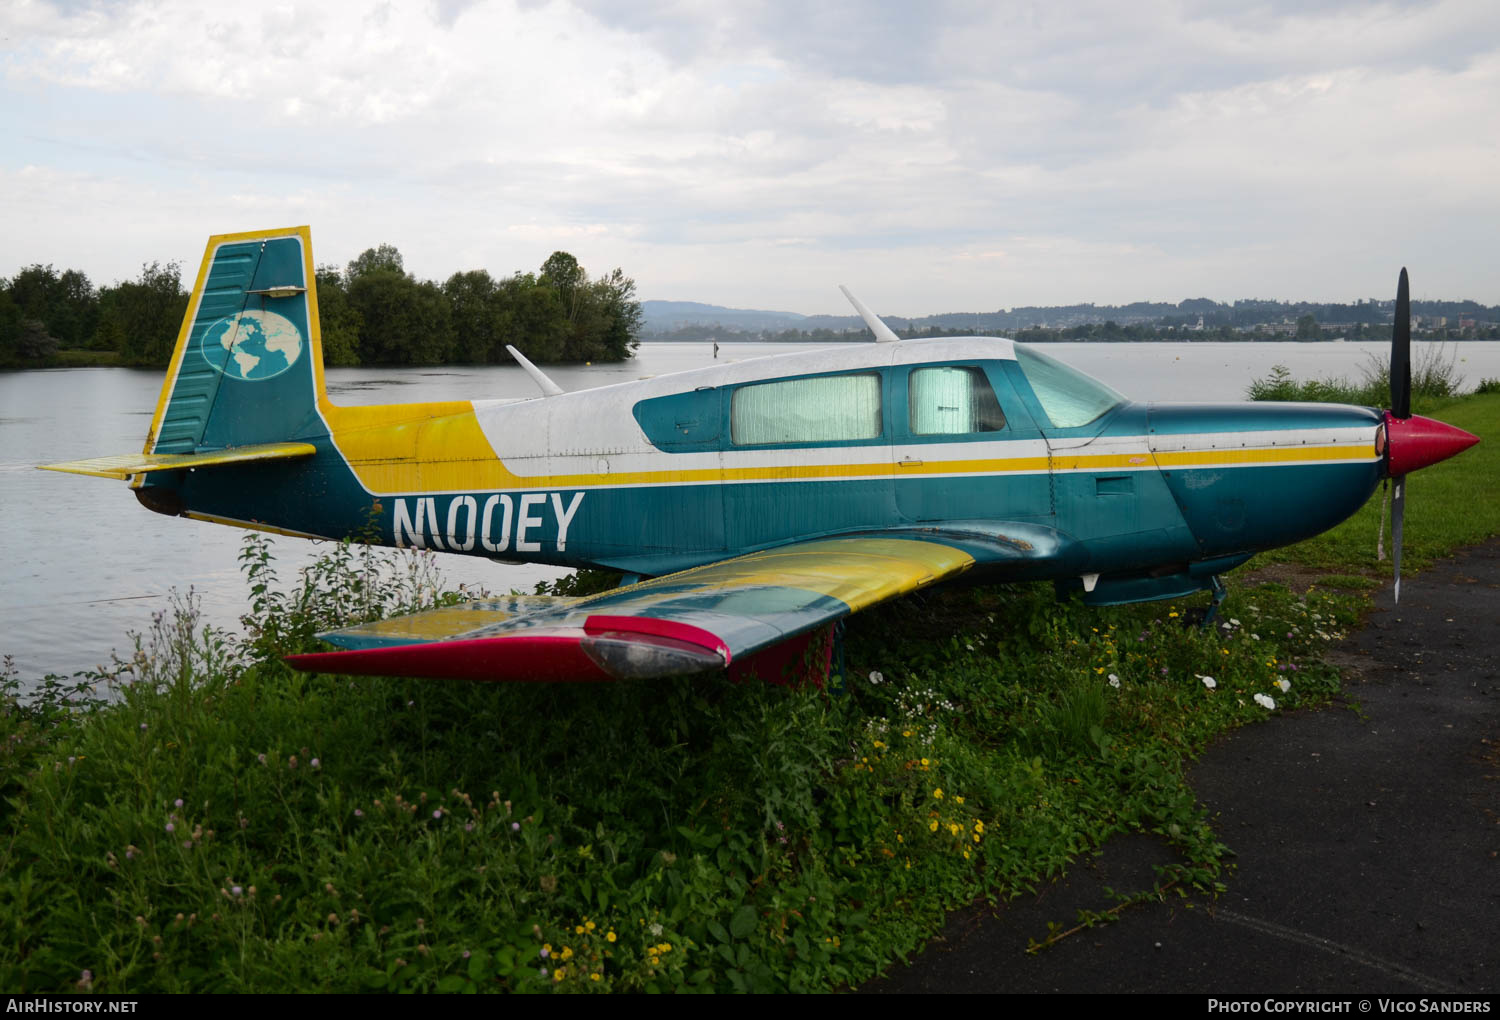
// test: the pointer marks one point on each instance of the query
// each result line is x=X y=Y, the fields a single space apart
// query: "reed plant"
x=1435 y=377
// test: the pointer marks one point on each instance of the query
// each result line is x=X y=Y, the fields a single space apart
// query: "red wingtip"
x=1416 y=442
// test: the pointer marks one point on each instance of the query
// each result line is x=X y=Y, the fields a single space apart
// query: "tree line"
x=372 y=312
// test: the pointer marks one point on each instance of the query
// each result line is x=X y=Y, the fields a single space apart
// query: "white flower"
x=1265 y=701
x=1233 y=621
x=1208 y=681
x=1284 y=684
x=1114 y=680
x=1254 y=637
x=876 y=677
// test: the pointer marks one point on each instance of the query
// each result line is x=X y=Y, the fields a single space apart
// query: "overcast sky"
x=936 y=157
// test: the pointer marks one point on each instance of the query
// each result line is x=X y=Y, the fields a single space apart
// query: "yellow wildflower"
x=938 y=793
x=558 y=974
x=932 y=825
x=610 y=937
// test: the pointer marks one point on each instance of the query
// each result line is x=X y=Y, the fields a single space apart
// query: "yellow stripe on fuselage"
x=1271 y=455
x=391 y=450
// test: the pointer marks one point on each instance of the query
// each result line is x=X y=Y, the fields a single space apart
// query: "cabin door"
x=965 y=447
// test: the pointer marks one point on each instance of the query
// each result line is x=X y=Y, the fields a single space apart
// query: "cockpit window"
x=1068 y=397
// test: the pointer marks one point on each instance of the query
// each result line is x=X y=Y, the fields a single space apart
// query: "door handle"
x=910 y=462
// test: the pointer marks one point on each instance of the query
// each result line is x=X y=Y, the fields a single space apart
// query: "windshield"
x=1068 y=397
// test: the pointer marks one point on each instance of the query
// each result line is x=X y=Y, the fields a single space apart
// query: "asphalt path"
x=1367 y=838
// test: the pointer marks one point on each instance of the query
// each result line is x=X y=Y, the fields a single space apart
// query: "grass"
x=225 y=823
x=206 y=819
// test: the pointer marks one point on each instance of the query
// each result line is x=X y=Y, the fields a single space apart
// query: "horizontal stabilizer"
x=125 y=465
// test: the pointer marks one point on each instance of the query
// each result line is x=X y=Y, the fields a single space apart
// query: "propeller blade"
x=1401 y=351
x=1398 y=510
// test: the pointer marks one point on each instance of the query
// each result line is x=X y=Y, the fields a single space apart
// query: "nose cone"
x=1416 y=442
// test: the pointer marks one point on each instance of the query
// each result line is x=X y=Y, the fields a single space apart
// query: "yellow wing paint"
x=451 y=621
x=857 y=571
x=128 y=464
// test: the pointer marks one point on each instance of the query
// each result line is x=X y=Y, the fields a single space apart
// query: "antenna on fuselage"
x=883 y=334
x=549 y=388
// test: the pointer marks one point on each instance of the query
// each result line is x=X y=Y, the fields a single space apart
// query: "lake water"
x=82 y=564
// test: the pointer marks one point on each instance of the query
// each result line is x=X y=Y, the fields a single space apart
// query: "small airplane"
x=750 y=505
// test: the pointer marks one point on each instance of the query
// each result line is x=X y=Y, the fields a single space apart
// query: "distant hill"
x=661 y=317
x=692 y=320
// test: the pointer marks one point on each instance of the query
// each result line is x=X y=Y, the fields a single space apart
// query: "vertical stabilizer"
x=248 y=365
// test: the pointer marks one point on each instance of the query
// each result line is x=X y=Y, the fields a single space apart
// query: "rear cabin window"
x=951 y=400
x=827 y=409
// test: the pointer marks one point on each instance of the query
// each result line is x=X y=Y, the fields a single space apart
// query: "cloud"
x=754 y=153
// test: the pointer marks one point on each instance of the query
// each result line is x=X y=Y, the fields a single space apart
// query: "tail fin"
x=248 y=365
x=245 y=382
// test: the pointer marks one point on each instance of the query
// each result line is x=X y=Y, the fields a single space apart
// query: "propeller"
x=1411 y=441
x=1401 y=351
x=1400 y=408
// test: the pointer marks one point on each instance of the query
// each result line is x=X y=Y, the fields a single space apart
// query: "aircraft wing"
x=698 y=620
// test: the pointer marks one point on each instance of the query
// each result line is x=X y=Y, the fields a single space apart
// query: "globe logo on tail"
x=252 y=345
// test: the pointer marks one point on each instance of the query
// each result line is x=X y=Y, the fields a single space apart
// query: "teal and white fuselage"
x=791 y=489
x=650 y=477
